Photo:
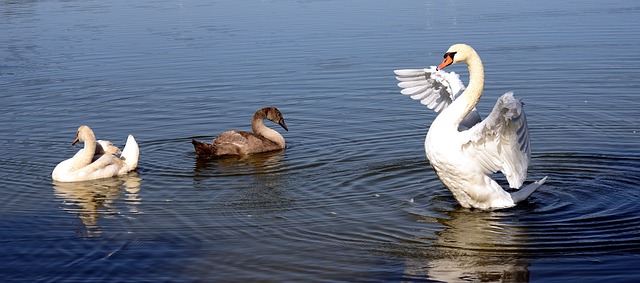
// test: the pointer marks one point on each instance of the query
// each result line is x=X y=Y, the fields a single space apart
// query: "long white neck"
x=84 y=156
x=459 y=109
x=258 y=127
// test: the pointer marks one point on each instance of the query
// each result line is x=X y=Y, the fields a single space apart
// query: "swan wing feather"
x=434 y=88
x=104 y=146
x=501 y=141
x=237 y=138
x=104 y=166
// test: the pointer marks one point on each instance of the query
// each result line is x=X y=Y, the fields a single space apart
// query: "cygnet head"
x=274 y=115
x=455 y=54
x=83 y=134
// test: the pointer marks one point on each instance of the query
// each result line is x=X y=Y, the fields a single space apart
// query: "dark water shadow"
x=267 y=162
x=255 y=185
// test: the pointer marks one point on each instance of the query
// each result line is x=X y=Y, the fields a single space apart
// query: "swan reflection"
x=257 y=163
x=474 y=247
x=91 y=200
x=260 y=185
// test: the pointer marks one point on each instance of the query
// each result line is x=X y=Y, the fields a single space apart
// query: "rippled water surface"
x=352 y=198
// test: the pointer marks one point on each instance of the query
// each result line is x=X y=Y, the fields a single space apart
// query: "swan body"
x=232 y=142
x=97 y=159
x=464 y=150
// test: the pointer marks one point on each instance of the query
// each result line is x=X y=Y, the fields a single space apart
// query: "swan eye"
x=450 y=54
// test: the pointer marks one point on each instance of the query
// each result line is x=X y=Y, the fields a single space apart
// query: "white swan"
x=463 y=150
x=88 y=164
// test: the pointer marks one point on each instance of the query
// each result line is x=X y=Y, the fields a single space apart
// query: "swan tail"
x=525 y=192
x=204 y=150
x=130 y=153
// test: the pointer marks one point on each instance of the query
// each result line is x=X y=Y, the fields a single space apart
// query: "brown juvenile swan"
x=234 y=142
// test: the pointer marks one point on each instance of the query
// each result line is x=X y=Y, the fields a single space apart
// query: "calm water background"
x=352 y=197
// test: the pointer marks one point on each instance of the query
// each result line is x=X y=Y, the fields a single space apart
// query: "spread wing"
x=436 y=89
x=501 y=141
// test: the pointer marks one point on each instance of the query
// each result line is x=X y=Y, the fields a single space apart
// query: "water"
x=352 y=197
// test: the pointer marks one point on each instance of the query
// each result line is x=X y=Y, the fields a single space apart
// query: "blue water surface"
x=352 y=198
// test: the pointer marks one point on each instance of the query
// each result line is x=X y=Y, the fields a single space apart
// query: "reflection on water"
x=258 y=163
x=476 y=247
x=254 y=185
x=265 y=169
x=92 y=200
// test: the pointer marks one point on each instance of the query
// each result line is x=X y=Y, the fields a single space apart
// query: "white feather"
x=465 y=150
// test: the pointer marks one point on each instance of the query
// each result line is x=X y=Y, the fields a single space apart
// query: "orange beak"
x=448 y=60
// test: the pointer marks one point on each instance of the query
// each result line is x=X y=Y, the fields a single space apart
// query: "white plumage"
x=463 y=149
x=97 y=159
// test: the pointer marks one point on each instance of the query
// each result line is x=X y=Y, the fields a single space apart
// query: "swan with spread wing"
x=463 y=149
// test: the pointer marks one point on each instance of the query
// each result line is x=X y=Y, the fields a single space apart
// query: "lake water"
x=352 y=198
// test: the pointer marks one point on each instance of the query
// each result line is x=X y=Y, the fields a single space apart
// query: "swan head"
x=83 y=134
x=455 y=54
x=274 y=115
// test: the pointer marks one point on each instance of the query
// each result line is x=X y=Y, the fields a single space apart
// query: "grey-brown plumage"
x=233 y=142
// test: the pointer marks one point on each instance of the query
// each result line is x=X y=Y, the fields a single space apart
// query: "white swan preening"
x=463 y=149
x=263 y=139
x=97 y=159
